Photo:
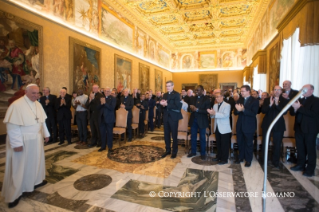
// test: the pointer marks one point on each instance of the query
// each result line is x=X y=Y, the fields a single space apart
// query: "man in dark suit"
x=118 y=101
x=151 y=94
x=171 y=115
x=48 y=103
x=127 y=103
x=93 y=106
x=198 y=121
x=158 y=119
x=108 y=105
x=64 y=116
x=246 y=109
x=306 y=128
x=185 y=97
x=143 y=106
x=288 y=92
x=230 y=100
x=271 y=108
x=68 y=95
x=135 y=96
x=151 y=105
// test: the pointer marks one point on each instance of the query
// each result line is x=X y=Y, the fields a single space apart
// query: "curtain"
x=259 y=80
x=299 y=64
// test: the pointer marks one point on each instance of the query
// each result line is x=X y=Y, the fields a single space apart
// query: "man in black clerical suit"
x=271 y=108
x=230 y=100
x=135 y=96
x=171 y=115
x=127 y=103
x=64 y=116
x=306 y=128
x=151 y=105
x=143 y=106
x=198 y=121
x=68 y=95
x=108 y=105
x=288 y=92
x=246 y=109
x=93 y=106
x=185 y=97
x=158 y=119
x=48 y=103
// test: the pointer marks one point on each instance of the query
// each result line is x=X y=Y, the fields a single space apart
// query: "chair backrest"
x=73 y=115
x=289 y=122
x=136 y=115
x=183 y=123
x=259 y=118
x=234 y=120
x=146 y=115
x=121 y=118
x=212 y=125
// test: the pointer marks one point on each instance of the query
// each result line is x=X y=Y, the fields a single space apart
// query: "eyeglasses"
x=277 y=89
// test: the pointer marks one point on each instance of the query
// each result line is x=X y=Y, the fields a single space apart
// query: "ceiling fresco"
x=199 y=24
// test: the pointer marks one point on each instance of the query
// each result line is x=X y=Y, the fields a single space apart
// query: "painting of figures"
x=116 y=30
x=84 y=65
x=158 y=80
x=141 y=46
x=209 y=81
x=20 y=57
x=163 y=57
x=122 y=73
x=144 y=78
x=274 y=66
x=187 y=62
x=86 y=15
x=208 y=60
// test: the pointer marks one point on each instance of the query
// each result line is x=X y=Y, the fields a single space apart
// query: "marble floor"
x=135 y=178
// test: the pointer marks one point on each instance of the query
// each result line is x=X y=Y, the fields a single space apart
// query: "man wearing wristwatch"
x=198 y=120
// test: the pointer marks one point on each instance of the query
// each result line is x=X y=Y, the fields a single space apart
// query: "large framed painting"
x=158 y=80
x=274 y=66
x=208 y=81
x=21 y=57
x=225 y=86
x=208 y=60
x=144 y=77
x=122 y=73
x=84 y=65
x=187 y=86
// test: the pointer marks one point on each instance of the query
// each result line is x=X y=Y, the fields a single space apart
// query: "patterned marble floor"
x=136 y=179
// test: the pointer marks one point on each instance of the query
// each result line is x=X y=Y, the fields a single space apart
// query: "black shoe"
x=98 y=145
x=91 y=145
x=129 y=140
x=203 y=157
x=247 y=164
x=215 y=159
x=173 y=155
x=191 y=155
x=297 y=168
x=222 y=162
x=44 y=182
x=101 y=149
x=69 y=143
x=14 y=203
x=165 y=154
x=61 y=142
x=111 y=150
x=306 y=174
x=239 y=161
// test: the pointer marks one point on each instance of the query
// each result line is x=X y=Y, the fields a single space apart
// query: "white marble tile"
x=254 y=176
x=304 y=181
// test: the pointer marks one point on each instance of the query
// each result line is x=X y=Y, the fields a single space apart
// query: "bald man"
x=306 y=128
x=288 y=92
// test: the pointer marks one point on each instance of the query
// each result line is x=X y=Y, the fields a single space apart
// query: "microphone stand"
x=264 y=195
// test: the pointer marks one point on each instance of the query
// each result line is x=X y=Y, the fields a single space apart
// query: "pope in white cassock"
x=26 y=128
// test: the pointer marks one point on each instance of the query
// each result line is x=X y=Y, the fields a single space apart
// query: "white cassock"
x=24 y=169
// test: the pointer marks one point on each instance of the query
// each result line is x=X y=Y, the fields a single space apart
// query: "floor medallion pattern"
x=136 y=154
x=159 y=168
x=92 y=182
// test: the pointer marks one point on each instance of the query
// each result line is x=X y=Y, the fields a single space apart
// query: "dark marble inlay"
x=242 y=203
x=54 y=148
x=136 y=154
x=3 y=155
x=158 y=138
x=281 y=180
x=56 y=200
x=193 y=180
x=207 y=162
x=92 y=182
x=56 y=173
x=80 y=146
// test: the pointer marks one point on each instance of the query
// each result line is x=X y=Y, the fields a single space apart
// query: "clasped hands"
x=296 y=105
x=122 y=106
x=62 y=102
x=163 y=102
x=274 y=100
x=102 y=101
x=211 y=111
x=193 y=108
x=239 y=107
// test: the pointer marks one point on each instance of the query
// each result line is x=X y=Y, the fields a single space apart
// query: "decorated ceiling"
x=199 y=24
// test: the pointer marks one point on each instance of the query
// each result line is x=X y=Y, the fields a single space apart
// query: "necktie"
x=219 y=105
x=245 y=101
